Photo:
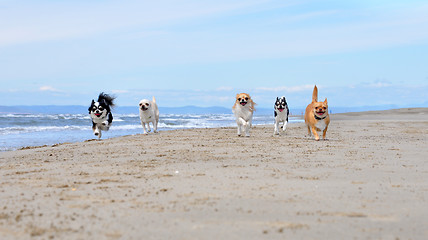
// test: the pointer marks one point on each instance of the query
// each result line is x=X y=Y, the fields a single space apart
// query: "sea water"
x=25 y=130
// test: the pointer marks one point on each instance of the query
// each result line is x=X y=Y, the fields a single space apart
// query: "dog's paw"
x=97 y=133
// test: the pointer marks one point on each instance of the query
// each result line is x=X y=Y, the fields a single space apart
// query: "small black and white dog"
x=281 y=114
x=100 y=112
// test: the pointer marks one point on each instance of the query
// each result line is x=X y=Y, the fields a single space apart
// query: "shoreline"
x=407 y=114
x=368 y=180
x=53 y=129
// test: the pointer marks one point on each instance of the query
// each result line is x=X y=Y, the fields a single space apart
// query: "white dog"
x=243 y=110
x=149 y=113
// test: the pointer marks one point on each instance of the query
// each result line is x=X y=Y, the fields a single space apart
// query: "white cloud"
x=169 y=27
x=49 y=89
x=377 y=84
x=62 y=20
x=226 y=99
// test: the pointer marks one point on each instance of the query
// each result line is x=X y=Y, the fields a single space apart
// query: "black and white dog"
x=100 y=112
x=281 y=114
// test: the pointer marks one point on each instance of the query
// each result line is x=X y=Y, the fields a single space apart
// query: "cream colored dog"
x=243 y=110
x=316 y=116
x=149 y=113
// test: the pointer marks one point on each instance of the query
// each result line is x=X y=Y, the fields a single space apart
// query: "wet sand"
x=369 y=180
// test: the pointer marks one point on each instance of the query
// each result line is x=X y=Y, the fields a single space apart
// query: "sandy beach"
x=369 y=180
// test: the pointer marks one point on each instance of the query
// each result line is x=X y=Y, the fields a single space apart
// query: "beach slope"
x=369 y=180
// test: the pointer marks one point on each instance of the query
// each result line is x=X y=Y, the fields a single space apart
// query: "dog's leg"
x=275 y=130
x=324 y=132
x=144 y=128
x=242 y=124
x=246 y=127
x=309 y=131
x=314 y=132
x=148 y=127
x=103 y=126
x=96 y=130
x=247 y=130
x=242 y=121
x=284 y=126
x=155 y=126
x=239 y=128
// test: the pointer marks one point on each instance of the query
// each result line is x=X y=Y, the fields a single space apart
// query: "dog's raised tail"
x=154 y=99
x=109 y=99
x=315 y=94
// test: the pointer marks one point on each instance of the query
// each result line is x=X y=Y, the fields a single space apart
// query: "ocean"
x=26 y=130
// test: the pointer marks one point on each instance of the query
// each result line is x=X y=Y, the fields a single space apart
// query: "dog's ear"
x=252 y=102
x=277 y=98
x=325 y=101
x=253 y=105
x=90 y=107
x=107 y=106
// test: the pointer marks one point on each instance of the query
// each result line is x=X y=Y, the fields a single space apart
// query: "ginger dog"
x=316 y=116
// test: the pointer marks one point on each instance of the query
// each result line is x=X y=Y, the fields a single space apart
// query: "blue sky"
x=193 y=52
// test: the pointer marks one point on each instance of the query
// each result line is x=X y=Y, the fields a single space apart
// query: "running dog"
x=316 y=116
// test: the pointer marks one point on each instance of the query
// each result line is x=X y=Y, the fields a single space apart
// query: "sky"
x=202 y=53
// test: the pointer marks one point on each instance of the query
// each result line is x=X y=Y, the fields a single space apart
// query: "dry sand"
x=369 y=180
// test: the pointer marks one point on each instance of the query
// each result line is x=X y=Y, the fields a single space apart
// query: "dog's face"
x=320 y=108
x=99 y=109
x=280 y=104
x=145 y=105
x=243 y=99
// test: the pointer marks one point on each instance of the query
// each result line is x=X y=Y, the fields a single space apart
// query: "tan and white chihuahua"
x=316 y=116
x=243 y=110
